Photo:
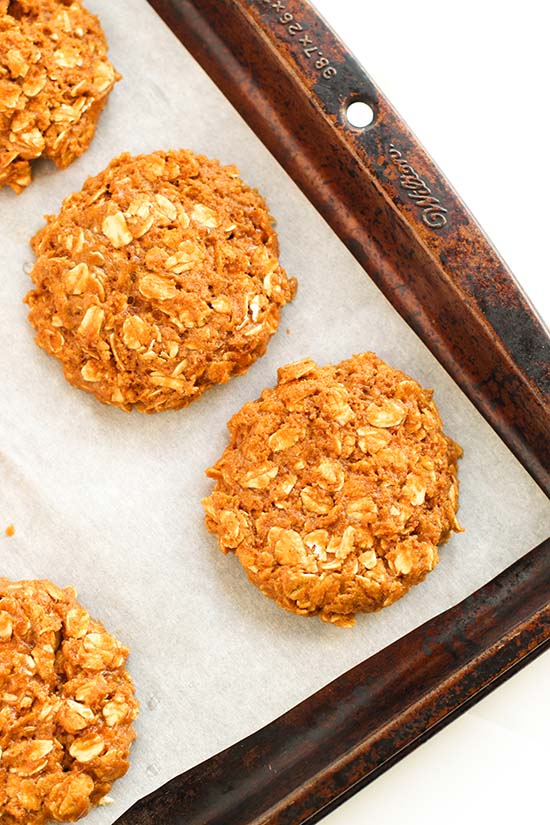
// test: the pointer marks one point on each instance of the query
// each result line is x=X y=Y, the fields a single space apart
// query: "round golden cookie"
x=159 y=279
x=336 y=488
x=54 y=81
x=66 y=706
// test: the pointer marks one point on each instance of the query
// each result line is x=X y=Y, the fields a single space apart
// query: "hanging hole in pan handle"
x=359 y=113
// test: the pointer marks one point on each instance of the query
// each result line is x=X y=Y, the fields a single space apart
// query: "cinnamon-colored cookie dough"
x=336 y=488
x=54 y=81
x=66 y=706
x=157 y=280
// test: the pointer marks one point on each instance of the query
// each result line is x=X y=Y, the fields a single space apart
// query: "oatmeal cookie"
x=336 y=488
x=66 y=706
x=159 y=279
x=54 y=81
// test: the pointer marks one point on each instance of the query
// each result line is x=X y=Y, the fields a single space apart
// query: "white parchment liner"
x=110 y=502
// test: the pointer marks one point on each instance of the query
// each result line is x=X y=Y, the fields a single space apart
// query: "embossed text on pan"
x=457 y=294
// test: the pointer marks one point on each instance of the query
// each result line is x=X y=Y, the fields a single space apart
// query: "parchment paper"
x=110 y=502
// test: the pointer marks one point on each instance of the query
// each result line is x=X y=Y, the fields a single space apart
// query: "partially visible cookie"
x=157 y=280
x=54 y=81
x=336 y=488
x=66 y=706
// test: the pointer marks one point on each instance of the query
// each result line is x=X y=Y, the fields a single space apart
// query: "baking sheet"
x=110 y=502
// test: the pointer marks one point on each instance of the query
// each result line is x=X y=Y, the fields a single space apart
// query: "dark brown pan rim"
x=292 y=79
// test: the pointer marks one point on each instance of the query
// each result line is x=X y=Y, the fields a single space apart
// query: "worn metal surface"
x=290 y=77
x=386 y=199
x=339 y=738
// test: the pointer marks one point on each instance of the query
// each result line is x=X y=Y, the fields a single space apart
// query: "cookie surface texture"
x=66 y=706
x=336 y=488
x=159 y=279
x=55 y=78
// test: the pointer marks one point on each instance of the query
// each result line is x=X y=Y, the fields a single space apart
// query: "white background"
x=471 y=80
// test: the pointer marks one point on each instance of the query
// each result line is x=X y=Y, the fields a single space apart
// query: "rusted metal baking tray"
x=292 y=79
